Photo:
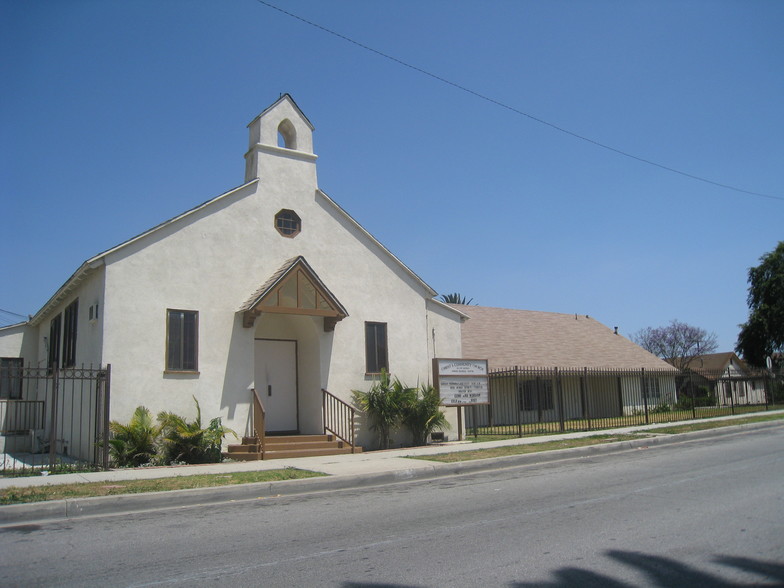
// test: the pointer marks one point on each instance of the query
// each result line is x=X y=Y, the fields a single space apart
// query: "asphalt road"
x=703 y=513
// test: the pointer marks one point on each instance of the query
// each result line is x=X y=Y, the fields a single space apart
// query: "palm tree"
x=455 y=298
x=384 y=404
x=134 y=444
x=188 y=442
x=424 y=415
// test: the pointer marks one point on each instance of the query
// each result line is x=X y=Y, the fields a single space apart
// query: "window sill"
x=181 y=372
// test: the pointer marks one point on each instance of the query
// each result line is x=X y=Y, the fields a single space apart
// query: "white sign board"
x=462 y=391
x=462 y=382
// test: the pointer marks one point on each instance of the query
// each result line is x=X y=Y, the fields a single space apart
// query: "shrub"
x=183 y=441
x=422 y=414
x=384 y=404
x=660 y=408
x=136 y=443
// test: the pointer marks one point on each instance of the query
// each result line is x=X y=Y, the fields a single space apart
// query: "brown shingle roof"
x=528 y=338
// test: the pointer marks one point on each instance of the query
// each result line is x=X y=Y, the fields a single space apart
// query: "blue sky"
x=115 y=116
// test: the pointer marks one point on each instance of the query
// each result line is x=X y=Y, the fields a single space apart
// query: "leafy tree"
x=763 y=333
x=384 y=404
x=136 y=443
x=184 y=441
x=455 y=298
x=423 y=415
x=678 y=343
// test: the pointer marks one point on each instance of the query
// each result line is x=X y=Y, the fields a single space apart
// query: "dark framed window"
x=288 y=223
x=536 y=394
x=652 y=389
x=376 y=348
x=182 y=340
x=55 y=327
x=70 y=320
x=11 y=377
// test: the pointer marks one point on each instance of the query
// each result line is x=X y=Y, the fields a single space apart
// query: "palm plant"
x=456 y=298
x=384 y=404
x=188 y=442
x=423 y=415
x=134 y=444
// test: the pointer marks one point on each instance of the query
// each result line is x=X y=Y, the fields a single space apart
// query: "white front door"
x=276 y=383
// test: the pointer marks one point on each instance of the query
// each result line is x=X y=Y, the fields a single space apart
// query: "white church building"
x=269 y=287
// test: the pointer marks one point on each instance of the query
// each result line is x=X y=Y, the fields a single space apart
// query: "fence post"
x=106 y=389
x=693 y=403
x=732 y=392
x=53 y=412
x=517 y=392
x=644 y=393
x=586 y=392
x=559 y=390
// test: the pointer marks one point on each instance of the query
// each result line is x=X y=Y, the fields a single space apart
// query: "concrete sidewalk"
x=344 y=471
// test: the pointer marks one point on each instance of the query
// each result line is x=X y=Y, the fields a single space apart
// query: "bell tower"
x=281 y=136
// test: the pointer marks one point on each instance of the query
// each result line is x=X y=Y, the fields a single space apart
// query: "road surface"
x=702 y=513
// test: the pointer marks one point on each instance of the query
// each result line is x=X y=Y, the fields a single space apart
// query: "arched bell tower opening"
x=287 y=135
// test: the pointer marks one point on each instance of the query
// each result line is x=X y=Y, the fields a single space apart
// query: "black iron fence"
x=526 y=401
x=58 y=422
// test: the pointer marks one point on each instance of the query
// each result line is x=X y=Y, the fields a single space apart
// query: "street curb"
x=72 y=508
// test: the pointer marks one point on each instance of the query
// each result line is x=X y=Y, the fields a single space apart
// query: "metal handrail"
x=339 y=418
x=259 y=416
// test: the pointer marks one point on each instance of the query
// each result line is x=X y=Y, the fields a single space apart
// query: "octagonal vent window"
x=288 y=223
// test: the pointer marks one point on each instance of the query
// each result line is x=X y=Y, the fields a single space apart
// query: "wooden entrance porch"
x=337 y=438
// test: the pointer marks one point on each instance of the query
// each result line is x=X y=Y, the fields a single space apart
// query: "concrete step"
x=286 y=439
x=290 y=453
x=242 y=455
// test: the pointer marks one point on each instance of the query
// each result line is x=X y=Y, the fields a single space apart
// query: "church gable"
x=294 y=289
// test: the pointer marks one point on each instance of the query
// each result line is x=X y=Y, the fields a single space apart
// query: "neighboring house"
x=727 y=378
x=602 y=374
x=269 y=286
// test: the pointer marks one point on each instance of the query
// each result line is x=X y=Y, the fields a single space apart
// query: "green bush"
x=423 y=415
x=390 y=404
x=136 y=443
x=660 y=408
x=384 y=404
x=171 y=440
x=188 y=442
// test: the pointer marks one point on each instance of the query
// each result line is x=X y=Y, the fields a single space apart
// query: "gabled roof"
x=527 y=338
x=287 y=97
x=97 y=261
x=714 y=365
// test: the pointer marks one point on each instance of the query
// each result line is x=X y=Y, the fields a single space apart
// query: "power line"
x=520 y=112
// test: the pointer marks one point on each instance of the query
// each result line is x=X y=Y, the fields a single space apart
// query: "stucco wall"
x=214 y=258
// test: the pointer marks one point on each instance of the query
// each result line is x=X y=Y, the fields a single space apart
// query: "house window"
x=376 y=348
x=288 y=223
x=54 y=342
x=11 y=377
x=182 y=340
x=70 y=319
x=652 y=390
x=536 y=394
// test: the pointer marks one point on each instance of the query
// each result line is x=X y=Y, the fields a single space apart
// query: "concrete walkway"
x=344 y=471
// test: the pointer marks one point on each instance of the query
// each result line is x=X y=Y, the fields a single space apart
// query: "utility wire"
x=520 y=112
x=8 y=320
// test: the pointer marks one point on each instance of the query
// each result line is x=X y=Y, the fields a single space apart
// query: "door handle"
x=269 y=389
